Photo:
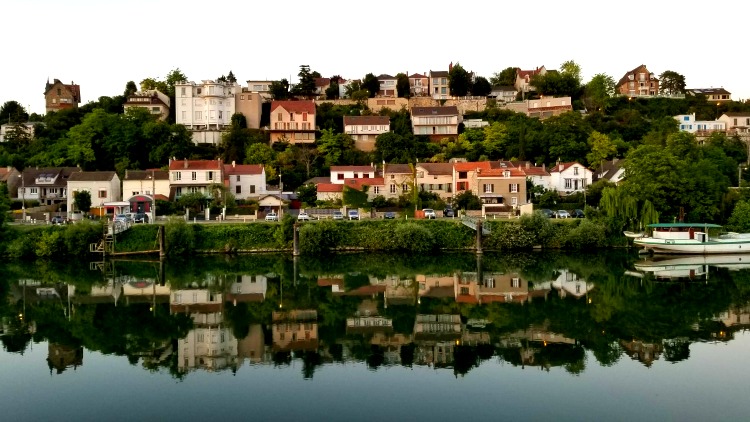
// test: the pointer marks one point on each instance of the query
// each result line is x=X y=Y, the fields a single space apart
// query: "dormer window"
x=506 y=173
x=575 y=171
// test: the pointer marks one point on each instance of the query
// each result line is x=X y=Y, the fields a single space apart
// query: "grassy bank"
x=412 y=236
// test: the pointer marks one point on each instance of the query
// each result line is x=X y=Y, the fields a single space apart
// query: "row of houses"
x=730 y=123
x=496 y=183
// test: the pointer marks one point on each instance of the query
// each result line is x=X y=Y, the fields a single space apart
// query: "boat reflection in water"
x=690 y=266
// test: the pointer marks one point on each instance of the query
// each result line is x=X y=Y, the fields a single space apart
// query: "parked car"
x=389 y=215
x=303 y=217
x=272 y=216
x=448 y=212
x=140 y=217
x=563 y=214
x=124 y=218
x=548 y=213
x=429 y=213
x=58 y=219
x=578 y=214
x=338 y=215
x=354 y=214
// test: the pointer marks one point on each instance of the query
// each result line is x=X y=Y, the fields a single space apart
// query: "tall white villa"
x=205 y=108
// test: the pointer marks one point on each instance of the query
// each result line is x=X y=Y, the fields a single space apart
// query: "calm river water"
x=377 y=337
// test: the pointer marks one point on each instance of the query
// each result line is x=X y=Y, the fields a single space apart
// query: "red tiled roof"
x=327 y=282
x=367 y=290
x=321 y=82
x=625 y=79
x=353 y=168
x=230 y=169
x=294 y=106
x=472 y=166
x=535 y=171
x=195 y=165
x=417 y=76
x=359 y=183
x=499 y=172
x=330 y=187
x=367 y=120
x=557 y=168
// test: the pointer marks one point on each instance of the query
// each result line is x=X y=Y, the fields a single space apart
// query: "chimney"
x=186 y=163
x=528 y=164
x=233 y=164
x=544 y=167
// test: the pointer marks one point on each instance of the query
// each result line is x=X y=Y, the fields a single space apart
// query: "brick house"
x=59 y=96
x=638 y=82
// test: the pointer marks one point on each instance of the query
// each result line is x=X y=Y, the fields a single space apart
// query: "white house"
x=340 y=173
x=568 y=178
x=538 y=176
x=103 y=186
x=156 y=102
x=205 y=109
x=364 y=130
x=245 y=180
x=27 y=128
x=737 y=122
x=145 y=182
x=192 y=176
x=690 y=125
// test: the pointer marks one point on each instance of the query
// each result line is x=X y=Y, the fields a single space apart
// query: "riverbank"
x=411 y=236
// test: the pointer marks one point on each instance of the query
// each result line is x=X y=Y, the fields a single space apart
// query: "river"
x=369 y=337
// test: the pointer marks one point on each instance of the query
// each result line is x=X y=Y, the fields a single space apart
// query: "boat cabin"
x=681 y=231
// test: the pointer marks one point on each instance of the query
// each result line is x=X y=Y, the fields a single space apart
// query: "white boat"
x=692 y=238
x=691 y=266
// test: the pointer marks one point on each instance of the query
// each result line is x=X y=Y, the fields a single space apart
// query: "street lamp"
x=23 y=197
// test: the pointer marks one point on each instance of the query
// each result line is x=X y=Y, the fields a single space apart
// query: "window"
x=252 y=188
x=182 y=91
x=220 y=114
x=32 y=191
x=198 y=91
x=514 y=201
x=237 y=178
x=279 y=117
x=735 y=122
x=210 y=175
x=340 y=176
x=178 y=192
x=198 y=115
x=515 y=282
x=514 y=188
x=575 y=171
x=304 y=117
x=193 y=175
x=178 y=175
x=393 y=188
x=291 y=117
x=59 y=91
x=405 y=187
x=462 y=175
x=488 y=188
x=464 y=290
x=568 y=184
x=376 y=190
x=102 y=193
x=238 y=189
x=242 y=97
x=443 y=90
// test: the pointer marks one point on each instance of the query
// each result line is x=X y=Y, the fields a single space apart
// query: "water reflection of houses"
x=644 y=352
x=526 y=347
x=567 y=283
x=210 y=345
x=248 y=288
x=397 y=290
x=295 y=330
x=492 y=287
x=436 y=337
x=377 y=330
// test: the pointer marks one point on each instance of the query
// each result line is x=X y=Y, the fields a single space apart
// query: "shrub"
x=50 y=244
x=180 y=239
x=510 y=235
x=539 y=226
x=587 y=235
x=78 y=236
x=412 y=237
x=320 y=237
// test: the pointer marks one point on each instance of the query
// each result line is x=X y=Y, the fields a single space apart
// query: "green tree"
x=280 y=90
x=556 y=83
x=82 y=201
x=130 y=89
x=602 y=148
x=371 y=84
x=259 y=153
x=572 y=69
x=403 y=89
x=495 y=139
x=308 y=194
x=506 y=77
x=466 y=200
x=332 y=92
x=599 y=89
x=352 y=87
x=4 y=205
x=740 y=219
x=13 y=112
x=459 y=81
x=671 y=82
x=481 y=87
x=306 y=85
x=334 y=146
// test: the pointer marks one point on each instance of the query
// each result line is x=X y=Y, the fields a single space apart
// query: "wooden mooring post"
x=479 y=237
x=296 y=240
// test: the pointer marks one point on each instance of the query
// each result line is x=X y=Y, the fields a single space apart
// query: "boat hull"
x=693 y=246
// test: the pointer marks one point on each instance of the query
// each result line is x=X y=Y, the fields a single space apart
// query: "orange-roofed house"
x=374 y=186
x=465 y=176
x=330 y=191
x=568 y=178
x=419 y=85
x=502 y=184
x=245 y=181
x=293 y=121
x=193 y=176
x=523 y=78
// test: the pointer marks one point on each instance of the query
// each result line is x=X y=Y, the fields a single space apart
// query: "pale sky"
x=102 y=44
